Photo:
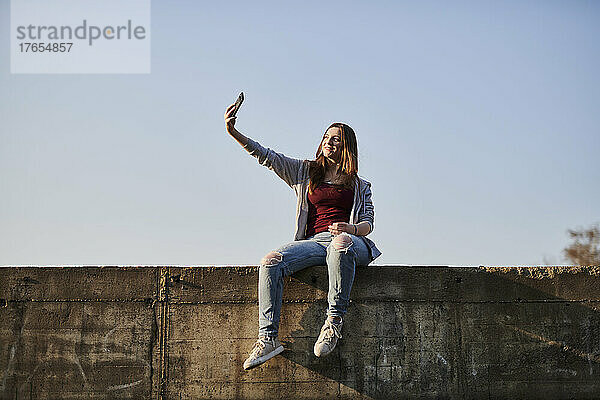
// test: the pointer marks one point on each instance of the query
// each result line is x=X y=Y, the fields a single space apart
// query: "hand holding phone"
x=237 y=105
x=231 y=112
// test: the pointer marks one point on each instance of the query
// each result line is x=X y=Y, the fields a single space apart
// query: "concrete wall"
x=410 y=332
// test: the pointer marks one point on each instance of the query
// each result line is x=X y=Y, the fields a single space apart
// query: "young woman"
x=334 y=213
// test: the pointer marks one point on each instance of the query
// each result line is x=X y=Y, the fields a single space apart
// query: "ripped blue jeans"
x=341 y=253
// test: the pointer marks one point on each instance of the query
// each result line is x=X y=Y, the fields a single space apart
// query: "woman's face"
x=332 y=144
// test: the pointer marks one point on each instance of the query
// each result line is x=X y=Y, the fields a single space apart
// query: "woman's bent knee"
x=342 y=242
x=271 y=259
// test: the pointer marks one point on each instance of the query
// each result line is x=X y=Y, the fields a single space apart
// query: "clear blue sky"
x=478 y=125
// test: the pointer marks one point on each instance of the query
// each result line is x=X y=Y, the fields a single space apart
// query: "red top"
x=328 y=203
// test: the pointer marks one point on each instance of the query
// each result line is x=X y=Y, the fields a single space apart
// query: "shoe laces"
x=258 y=346
x=331 y=330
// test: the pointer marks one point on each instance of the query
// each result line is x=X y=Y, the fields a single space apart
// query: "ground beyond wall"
x=411 y=332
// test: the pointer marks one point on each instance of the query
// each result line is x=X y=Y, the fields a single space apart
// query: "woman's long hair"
x=348 y=167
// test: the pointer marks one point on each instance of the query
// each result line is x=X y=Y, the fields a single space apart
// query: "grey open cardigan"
x=295 y=173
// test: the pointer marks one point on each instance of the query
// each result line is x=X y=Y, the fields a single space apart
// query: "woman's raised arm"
x=285 y=167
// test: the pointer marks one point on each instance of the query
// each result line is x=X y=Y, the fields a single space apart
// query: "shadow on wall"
x=462 y=333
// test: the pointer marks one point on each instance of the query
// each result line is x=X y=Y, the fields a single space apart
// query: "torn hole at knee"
x=342 y=242
x=272 y=258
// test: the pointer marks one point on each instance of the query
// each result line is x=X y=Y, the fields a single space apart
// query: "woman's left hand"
x=340 y=227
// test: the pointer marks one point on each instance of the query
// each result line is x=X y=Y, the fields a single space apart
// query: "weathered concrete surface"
x=410 y=332
x=78 y=333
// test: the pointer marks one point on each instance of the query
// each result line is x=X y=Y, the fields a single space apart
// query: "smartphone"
x=238 y=104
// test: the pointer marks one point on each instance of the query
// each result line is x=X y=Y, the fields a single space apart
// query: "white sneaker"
x=330 y=333
x=264 y=349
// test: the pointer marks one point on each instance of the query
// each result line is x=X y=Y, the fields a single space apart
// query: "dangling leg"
x=274 y=267
x=270 y=290
x=343 y=254
x=341 y=262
